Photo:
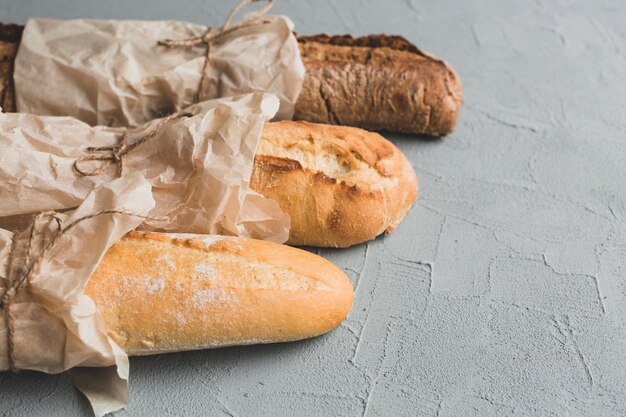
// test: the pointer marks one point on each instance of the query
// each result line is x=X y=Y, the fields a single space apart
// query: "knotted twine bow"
x=212 y=34
x=115 y=154
x=32 y=260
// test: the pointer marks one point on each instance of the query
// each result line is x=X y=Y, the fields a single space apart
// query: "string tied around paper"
x=19 y=275
x=109 y=155
x=212 y=34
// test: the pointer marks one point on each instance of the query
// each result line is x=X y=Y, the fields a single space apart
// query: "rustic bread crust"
x=162 y=293
x=377 y=82
x=340 y=185
x=10 y=36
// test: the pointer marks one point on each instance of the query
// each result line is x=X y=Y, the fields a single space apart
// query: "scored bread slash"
x=162 y=293
x=340 y=185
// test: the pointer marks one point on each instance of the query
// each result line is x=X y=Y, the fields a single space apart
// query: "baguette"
x=376 y=82
x=162 y=293
x=340 y=185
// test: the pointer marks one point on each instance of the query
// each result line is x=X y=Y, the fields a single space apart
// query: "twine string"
x=109 y=155
x=32 y=263
x=115 y=154
x=212 y=34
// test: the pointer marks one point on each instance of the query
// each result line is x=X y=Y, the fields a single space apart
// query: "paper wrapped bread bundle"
x=161 y=293
x=126 y=75
x=340 y=185
x=166 y=292
x=74 y=297
x=198 y=164
x=375 y=82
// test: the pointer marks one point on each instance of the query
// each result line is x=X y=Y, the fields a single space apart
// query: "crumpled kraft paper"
x=113 y=73
x=199 y=167
x=52 y=324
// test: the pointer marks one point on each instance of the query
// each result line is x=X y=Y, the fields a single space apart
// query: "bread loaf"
x=377 y=82
x=165 y=292
x=340 y=185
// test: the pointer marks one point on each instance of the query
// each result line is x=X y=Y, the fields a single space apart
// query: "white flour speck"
x=211 y=239
x=205 y=271
x=181 y=319
x=217 y=295
x=153 y=285
x=166 y=259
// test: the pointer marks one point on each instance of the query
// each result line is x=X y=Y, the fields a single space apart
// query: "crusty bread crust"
x=165 y=292
x=10 y=36
x=340 y=185
x=377 y=82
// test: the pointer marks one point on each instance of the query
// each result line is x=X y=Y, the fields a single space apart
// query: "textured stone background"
x=502 y=293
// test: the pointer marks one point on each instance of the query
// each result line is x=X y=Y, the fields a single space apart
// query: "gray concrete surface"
x=501 y=294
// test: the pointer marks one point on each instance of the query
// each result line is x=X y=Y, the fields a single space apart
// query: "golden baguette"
x=166 y=292
x=340 y=185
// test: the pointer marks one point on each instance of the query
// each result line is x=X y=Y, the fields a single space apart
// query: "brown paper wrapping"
x=198 y=166
x=53 y=325
x=114 y=73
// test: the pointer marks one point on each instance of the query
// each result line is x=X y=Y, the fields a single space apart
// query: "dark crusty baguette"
x=377 y=82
